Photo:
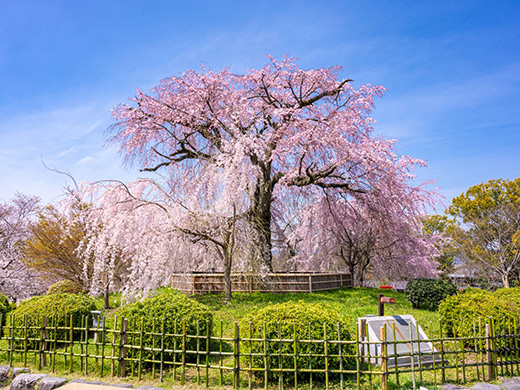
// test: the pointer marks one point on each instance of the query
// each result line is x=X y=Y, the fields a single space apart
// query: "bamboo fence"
x=228 y=357
x=203 y=283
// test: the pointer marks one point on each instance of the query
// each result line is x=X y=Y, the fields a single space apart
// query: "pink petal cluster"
x=277 y=162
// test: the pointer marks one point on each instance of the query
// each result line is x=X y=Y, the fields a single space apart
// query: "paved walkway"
x=506 y=384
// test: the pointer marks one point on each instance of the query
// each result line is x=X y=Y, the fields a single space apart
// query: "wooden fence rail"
x=245 y=356
x=203 y=283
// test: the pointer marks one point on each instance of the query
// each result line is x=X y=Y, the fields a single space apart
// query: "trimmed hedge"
x=511 y=294
x=462 y=313
x=300 y=321
x=170 y=309
x=65 y=286
x=428 y=293
x=59 y=307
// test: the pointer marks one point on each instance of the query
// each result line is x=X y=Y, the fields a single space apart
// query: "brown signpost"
x=381 y=302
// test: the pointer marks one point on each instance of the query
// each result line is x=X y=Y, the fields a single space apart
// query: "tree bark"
x=260 y=219
x=227 y=281
x=351 y=268
x=505 y=280
x=106 y=298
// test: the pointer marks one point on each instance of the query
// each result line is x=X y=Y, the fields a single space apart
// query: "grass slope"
x=350 y=302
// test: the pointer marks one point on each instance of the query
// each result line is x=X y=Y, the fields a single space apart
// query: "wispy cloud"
x=67 y=139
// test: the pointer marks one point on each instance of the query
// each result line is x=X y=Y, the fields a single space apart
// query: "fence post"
x=141 y=348
x=11 y=348
x=208 y=342
x=43 y=344
x=491 y=375
x=124 y=338
x=384 y=380
x=71 y=343
x=236 y=358
x=326 y=352
x=183 y=357
x=26 y=339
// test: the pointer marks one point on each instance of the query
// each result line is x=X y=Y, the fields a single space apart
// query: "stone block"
x=5 y=375
x=51 y=382
x=26 y=381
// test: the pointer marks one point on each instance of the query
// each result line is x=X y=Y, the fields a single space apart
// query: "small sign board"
x=97 y=319
x=411 y=337
x=388 y=300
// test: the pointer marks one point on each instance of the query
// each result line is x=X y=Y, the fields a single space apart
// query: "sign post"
x=381 y=301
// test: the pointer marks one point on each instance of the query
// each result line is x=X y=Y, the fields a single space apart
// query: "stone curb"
x=507 y=384
x=26 y=381
x=22 y=379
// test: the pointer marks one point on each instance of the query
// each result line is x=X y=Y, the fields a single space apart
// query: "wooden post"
x=380 y=306
x=326 y=353
x=43 y=345
x=55 y=320
x=395 y=355
x=11 y=344
x=208 y=342
x=236 y=381
x=140 y=366
x=86 y=345
x=340 y=355
x=162 y=349
x=359 y=354
x=489 y=354
x=265 y=355
x=310 y=283
x=71 y=343
x=384 y=379
x=183 y=354
x=124 y=338
x=295 y=351
x=26 y=340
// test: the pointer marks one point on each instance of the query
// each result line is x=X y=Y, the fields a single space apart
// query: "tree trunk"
x=351 y=269
x=260 y=219
x=106 y=299
x=361 y=278
x=505 y=280
x=227 y=281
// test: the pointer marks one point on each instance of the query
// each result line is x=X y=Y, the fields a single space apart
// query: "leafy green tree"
x=489 y=233
x=52 y=245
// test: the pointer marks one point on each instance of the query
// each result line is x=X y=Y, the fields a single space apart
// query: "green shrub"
x=5 y=307
x=175 y=312
x=65 y=286
x=300 y=321
x=510 y=294
x=429 y=293
x=59 y=308
x=465 y=314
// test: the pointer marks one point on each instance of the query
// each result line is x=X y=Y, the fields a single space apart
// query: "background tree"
x=263 y=136
x=52 y=245
x=338 y=232
x=141 y=228
x=490 y=225
x=16 y=280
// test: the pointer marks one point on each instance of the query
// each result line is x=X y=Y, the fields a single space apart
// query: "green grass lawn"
x=350 y=302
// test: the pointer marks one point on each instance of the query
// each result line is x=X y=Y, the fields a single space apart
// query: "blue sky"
x=451 y=69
